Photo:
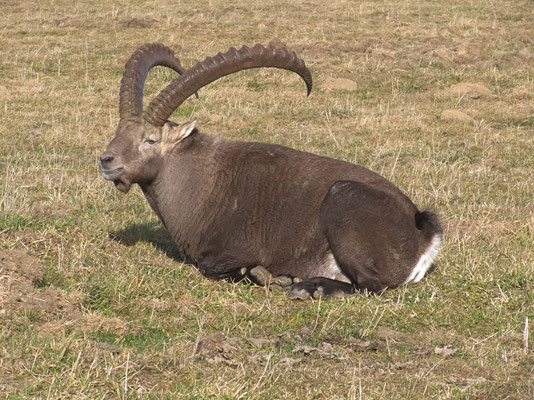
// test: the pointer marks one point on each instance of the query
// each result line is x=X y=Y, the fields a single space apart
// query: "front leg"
x=235 y=272
x=313 y=288
x=261 y=276
x=258 y=275
x=215 y=269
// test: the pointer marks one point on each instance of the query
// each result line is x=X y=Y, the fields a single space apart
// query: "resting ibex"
x=313 y=225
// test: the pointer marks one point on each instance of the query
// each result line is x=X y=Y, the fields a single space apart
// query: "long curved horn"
x=213 y=68
x=133 y=80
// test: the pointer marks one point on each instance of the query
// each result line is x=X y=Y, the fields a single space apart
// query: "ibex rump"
x=313 y=224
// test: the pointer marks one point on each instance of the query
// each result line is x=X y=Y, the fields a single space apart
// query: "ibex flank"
x=308 y=224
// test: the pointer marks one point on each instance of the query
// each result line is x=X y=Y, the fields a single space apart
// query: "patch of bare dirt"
x=20 y=276
x=340 y=84
x=472 y=90
x=214 y=118
x=18 y=262
x=326 y=350
x=138 y=23
x=384 y=333
x=520 y=93
x=455 y=115
x=25 y=236
x=470 y=49
x=278 y=43
x=220 y=348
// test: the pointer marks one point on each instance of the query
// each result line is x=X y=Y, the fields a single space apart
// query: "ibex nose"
x=105 y=159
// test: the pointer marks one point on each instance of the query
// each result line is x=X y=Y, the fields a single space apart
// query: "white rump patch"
x=329 y=269
x=425 y=261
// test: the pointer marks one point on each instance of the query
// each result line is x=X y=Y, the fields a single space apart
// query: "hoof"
x=299 y=293
x=260 y=276
x=282 y=280
x=314 y=288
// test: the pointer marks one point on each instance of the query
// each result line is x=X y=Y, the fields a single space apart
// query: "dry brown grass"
x=117 y=315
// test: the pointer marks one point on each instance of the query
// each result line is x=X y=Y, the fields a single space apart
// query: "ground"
x=95 y=300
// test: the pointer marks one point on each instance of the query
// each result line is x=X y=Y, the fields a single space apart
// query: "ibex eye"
x=150 y=141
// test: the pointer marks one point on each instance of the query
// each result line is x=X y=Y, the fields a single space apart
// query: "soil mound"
x=340 y=84
x=472 y=90
x=21 y=275
x=455 y=115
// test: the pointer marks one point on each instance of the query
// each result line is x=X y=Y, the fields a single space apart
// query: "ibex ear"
x=186 y=129
x=176 y=133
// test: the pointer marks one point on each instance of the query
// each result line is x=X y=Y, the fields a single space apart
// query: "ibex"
x=312 y=225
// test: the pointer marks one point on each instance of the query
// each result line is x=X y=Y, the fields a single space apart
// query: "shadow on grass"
x=152 y=233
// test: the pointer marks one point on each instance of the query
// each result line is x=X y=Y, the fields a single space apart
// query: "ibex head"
x=144 y=139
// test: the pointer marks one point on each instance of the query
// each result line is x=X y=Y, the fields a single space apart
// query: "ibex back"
x=311 y=225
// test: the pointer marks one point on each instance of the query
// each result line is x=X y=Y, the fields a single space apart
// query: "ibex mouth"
x=111 y=174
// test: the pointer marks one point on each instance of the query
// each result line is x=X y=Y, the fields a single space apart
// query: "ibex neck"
x=177 y=210
x=150 y=192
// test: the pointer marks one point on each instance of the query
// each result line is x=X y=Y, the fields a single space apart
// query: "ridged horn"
x=213 y=68
x=133 y=80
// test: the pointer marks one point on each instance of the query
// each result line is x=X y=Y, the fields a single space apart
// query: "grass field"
x=95 y=301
